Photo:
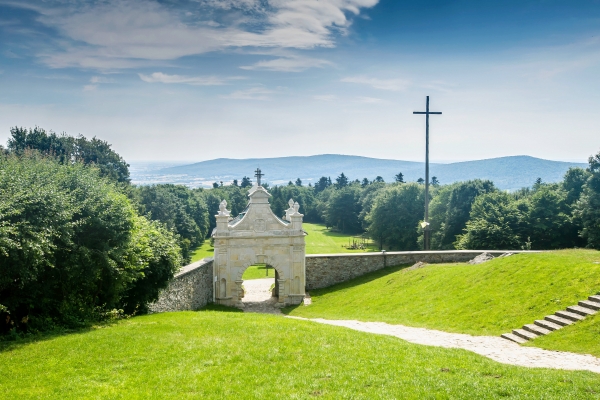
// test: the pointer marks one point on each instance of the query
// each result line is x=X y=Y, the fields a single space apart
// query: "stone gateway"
x=258 y=236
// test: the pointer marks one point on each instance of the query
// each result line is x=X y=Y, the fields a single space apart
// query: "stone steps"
x=556 y=321
x=569 y=315
x=590 y=304
x=514 y=338
x=551 y=326
x=583 y=311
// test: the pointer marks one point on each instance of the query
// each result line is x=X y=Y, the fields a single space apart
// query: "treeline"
x=463 y=215
x=79 y=243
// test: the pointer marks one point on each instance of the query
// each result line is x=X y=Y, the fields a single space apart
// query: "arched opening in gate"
x=260 y=288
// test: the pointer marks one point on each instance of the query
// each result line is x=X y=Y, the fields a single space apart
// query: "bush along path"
x=556 y=321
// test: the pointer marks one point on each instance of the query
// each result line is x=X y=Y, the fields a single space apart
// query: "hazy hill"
x=507 y=172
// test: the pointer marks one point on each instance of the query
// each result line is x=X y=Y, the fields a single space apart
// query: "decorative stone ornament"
x=258 y=236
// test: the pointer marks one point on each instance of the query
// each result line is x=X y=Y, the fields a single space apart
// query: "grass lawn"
x=485 y=299
x=221 y=355
x=319 y=241
x=206 y=250
x=258 y=272
x=582 y=337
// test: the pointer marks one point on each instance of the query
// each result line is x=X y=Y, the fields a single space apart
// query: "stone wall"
x=190 y=289
x=323 y=270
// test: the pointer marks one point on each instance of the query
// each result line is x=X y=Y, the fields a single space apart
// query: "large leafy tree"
x=323 y=183
x=180 y=209
x=68 y=149
x=343 y=209
x=395 y=215
x=68 y=244
x=498 y=221
x=550 y=224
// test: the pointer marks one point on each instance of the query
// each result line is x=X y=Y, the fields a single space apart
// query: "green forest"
x=80 y=243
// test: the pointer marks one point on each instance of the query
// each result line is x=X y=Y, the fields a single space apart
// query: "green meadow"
x=214 y=354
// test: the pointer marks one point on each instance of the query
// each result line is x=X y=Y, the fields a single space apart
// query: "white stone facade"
x=258 y=236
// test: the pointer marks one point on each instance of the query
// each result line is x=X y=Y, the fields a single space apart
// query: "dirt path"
x=493 y=347
x=257 y=296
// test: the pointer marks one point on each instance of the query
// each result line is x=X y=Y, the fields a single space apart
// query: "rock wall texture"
x=323 y=270
x=190 y=289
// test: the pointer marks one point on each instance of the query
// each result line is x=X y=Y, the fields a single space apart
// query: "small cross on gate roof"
x=258 y=174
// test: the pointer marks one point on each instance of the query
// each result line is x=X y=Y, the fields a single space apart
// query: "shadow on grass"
x=220 y=308
x=12 y=343
x=361 y=280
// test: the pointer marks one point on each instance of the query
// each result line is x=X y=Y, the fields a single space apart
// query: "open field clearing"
x=216 y=355
x=485 y=299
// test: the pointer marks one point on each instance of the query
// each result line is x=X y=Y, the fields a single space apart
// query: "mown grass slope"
x=582 y=337
x=485 y=299
x=220 y=355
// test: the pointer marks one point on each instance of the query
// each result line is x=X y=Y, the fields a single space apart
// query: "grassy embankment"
x=218 y=355
x=319 y=241
x=485 y=299
x=582 y=337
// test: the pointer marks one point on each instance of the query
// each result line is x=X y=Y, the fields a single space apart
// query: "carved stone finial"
x=296 y=207
x=291 y=203
x=223 y=208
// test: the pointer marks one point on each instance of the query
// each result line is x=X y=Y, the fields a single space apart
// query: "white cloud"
x=159 y=77
x=255 y=93
x=395 y=85
x=118 y=34
x=288 y=64
x=325 y=97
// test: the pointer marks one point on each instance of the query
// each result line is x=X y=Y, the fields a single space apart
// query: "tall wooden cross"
x=258 y=174
x=426 y=232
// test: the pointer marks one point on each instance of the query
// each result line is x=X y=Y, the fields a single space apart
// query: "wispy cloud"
x=288 y=64
x=159 y=77
x=255 y=93
x=396 y=85
x=125 y=34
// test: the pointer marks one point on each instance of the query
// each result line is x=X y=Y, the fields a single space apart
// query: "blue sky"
x=202 y=79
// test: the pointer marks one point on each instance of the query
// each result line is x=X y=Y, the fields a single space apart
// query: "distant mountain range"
x=508 y=173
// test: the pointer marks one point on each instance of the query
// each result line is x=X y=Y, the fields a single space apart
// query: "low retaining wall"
x=190 y=289
x=323 y=270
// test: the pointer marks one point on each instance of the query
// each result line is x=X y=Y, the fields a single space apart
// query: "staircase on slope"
x=557 y=321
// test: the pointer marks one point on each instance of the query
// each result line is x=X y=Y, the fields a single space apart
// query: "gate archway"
x=258 y=236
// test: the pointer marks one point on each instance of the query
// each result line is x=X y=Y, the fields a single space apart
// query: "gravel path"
x=257 y=297
x=493 y=347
